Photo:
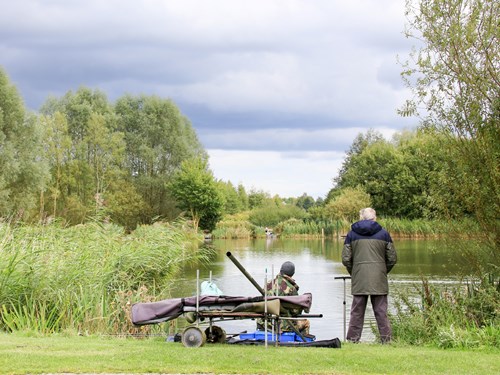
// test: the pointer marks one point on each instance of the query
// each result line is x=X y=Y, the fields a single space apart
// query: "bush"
x=294 y=227
x=465 y=316
x=347 y=204
x=234 y=226
x=273 y=215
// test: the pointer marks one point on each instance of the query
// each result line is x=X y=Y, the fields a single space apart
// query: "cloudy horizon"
x=276 y=90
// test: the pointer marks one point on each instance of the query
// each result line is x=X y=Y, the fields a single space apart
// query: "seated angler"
x=284 y=285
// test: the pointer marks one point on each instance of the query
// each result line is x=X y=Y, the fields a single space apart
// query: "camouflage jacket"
x=282 y=285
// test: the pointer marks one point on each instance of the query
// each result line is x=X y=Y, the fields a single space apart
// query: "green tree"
x=57 y=143
x=404 y=177
x=125 y=205
x=258 y=198
x=305 y=201
x=318 y=213
x=158 y=139
x=455 y=81
x=359 y=144
x=272 y=215
x=232 y=202
x=78 y=108
x=106 y=152
x=196 y=191
x=347 y=204
x=90 y=124
x=345 y=175
x=243 y=196
x=426 y=161
x=23 y=173
x=379 y=170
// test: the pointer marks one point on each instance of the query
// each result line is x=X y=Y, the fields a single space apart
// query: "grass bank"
x=20 y=354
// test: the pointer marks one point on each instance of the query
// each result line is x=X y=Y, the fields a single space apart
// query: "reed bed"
x=237 y=227
x=415 y=228
x=84 y=278
x=310 y=228
x=465 y=315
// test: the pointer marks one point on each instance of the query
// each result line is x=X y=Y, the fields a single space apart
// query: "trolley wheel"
x=193 y=337
x=215 y=334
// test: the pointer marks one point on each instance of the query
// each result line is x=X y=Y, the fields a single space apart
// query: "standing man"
x=368 y=255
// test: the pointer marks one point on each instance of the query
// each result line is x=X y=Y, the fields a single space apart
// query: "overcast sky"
x=276 y=89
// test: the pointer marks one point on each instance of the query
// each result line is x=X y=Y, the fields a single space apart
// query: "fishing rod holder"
x=344 y=302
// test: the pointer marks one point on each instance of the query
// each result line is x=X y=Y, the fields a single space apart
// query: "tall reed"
x=240 y=227
x=415 y=228
x=85 y=278
x=311 y=228
x=234 y=226
x=459 y=316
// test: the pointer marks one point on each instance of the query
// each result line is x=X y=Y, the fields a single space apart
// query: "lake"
x=317 y=263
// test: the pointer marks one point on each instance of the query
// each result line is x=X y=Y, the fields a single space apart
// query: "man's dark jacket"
x=368 y=255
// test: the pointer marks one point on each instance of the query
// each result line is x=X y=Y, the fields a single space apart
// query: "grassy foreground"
x=20 y=354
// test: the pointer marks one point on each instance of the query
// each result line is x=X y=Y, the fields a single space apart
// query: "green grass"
x=20 y=354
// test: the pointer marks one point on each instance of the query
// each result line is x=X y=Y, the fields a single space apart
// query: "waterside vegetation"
x=241 y=226
x=83 y=279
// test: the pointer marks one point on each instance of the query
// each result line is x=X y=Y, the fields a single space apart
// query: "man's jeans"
x=358 y=308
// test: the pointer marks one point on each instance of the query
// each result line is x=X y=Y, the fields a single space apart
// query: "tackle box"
x=283 y=337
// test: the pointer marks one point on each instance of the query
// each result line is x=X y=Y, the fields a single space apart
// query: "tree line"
x=81 y=156
x=135 y=161
x=139 y=159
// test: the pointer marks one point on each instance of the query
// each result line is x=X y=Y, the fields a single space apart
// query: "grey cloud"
x=304 y=65
x=286 y=83
x=389 y=73
x=285 y=140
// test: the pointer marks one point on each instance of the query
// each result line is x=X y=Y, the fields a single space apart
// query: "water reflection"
x=317 y=263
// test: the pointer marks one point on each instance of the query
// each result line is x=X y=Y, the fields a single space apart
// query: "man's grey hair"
x=367 y=214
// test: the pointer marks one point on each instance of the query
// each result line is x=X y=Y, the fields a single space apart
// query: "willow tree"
x=94 y=151
x=158 y=139
x=57 y=146
x=23 y=174
x=455 y=80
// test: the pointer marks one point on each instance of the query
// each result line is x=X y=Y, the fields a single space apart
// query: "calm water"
x=317 y=263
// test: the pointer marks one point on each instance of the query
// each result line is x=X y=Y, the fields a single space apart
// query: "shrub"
x=272 y=215
x=234 y=226
x=466 y=315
